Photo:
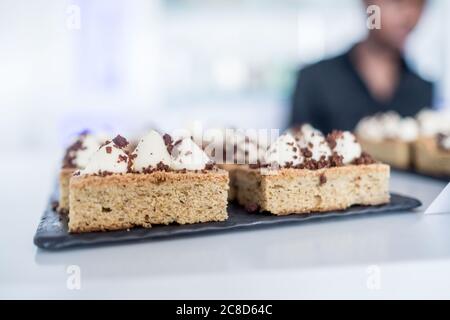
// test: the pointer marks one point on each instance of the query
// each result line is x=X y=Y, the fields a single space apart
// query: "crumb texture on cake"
x=294 y=191
x=124 y=201
x=396 y=153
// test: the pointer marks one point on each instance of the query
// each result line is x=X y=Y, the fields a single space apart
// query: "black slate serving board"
x=52 y=231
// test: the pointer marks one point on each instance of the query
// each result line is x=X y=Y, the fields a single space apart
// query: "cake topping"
x=408 y=129
x=109 y=159
x=444 y=142
x=189 y=156
x=433 y=122
x=246 y=149
x=314 y=145
x=168 y=141
x=233 y=146
x=305 y=130
x=120 y=142
x=388 y=126
x=284 y=151
x=364 y=159
x=312 y=151
x=78 y=154
x=152 y=153
x=345 y=144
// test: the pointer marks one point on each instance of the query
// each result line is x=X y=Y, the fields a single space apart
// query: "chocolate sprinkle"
x=259 y=165
x=332 y=137
x=122 y=158
x=306 y=153
x=120 y=141
x=104 y=173
x=105 y=143
x=336 y=160
x=159 y=167
x=323 y=179
x=364 y=159
x=289 y=165
x=168 y=141
x=210 y=166
x=69 y=157
x=108 y=149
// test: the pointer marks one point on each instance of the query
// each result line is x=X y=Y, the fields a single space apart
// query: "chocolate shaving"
x=132 y=156
x=108 y=149
x=312 y=164
x=306 y=153
x=259 y=165
x=104 y=173
x=120 y=141
x=159 y=167
x=71 y=152
x=210 y=166
x=168 y=142
x=122 y=158
x=162 y=167
x=289 y=165
x=105 y=143
x=364 y=159
x=336 y=160
x=332 y=137
x=322 y=179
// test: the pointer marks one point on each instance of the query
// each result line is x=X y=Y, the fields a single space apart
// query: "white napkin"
x=441 y=204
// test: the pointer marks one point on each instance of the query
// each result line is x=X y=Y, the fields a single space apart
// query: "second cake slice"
x=311 y=173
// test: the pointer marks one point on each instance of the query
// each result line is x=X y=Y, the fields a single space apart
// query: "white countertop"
x=396 y=255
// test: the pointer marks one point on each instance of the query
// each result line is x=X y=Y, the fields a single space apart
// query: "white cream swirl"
x=151 y=151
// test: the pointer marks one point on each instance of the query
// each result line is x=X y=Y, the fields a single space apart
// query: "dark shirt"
x=331 y=95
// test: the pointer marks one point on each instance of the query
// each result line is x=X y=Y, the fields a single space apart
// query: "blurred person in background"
x=371 y=77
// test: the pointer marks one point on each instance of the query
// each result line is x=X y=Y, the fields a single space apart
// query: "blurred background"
x=123 y=66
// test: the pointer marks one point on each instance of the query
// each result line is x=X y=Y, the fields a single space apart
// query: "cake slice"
x=432 y=149
x=432 y=155
x=389 y=138
x=397 y=153
x=290 y=191
x=161 y=182
x=312 y=173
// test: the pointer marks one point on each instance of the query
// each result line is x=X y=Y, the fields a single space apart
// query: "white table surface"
x=320 y=259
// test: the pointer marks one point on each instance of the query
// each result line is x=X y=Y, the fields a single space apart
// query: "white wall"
x=138 y=62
